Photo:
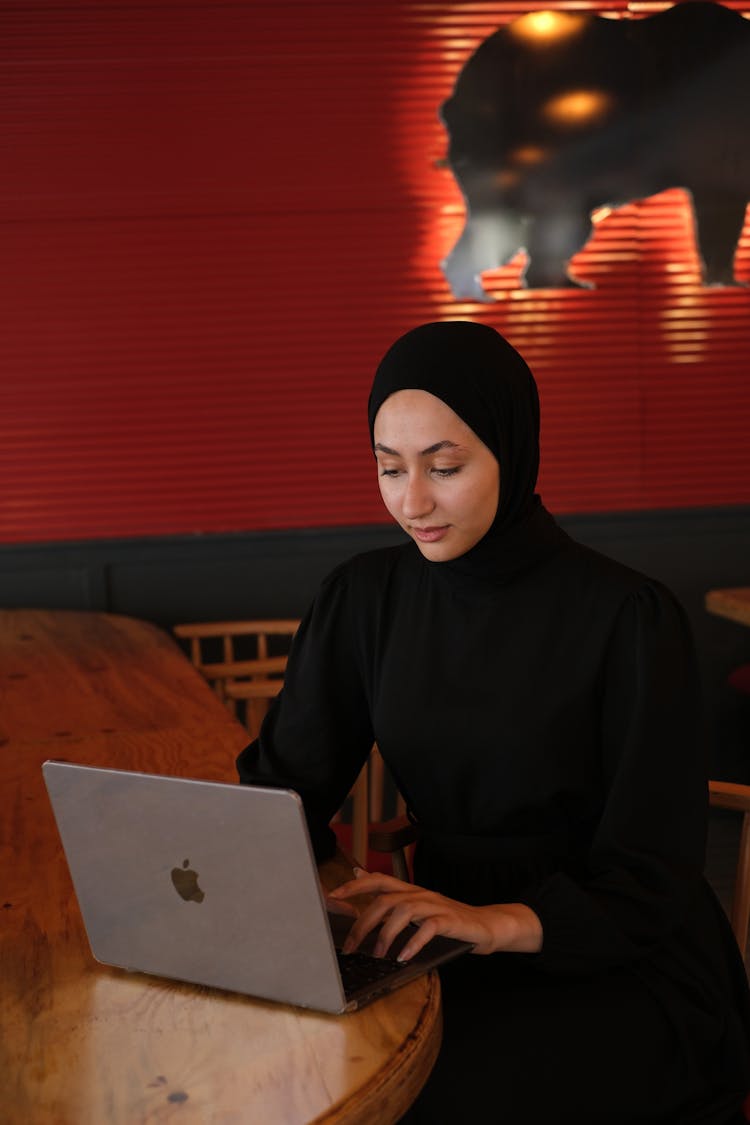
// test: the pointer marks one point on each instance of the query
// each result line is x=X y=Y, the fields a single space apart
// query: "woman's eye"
x=389 y=472
x=446 y=472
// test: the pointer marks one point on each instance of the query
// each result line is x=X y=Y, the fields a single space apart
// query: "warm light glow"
x=578 y=107
x=546 y=27
x=507 y=178
x=685 y=333
x=527 y=155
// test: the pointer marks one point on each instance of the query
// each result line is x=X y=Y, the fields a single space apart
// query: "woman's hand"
x=510 y=927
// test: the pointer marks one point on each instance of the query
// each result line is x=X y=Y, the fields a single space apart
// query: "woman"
x=537 y=706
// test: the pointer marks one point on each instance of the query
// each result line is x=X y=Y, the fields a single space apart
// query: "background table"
x=732 y=603
x=83 y=1044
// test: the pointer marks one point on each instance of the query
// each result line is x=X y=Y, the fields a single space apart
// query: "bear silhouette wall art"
x=560 y=113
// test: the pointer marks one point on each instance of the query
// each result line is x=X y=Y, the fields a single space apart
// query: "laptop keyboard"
x=360 y=970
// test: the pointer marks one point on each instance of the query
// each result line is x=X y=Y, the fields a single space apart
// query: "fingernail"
x=347 y=946
x=404 y=955
x=379 y=949
x=359 y=871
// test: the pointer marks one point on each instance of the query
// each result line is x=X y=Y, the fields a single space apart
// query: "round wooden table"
x=84 y=1044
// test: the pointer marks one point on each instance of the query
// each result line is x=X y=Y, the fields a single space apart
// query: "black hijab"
x=484 y=380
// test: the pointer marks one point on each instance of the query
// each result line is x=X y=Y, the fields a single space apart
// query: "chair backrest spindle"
x=254 y=679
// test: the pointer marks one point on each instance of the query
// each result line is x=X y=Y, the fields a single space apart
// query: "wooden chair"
x=235 y=657
x=370 y=838
x=727 y=795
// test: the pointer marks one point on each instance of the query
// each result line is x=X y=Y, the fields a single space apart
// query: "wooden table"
x=82 y=1044
x=732 y=603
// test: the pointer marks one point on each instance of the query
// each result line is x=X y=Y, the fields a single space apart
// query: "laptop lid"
x=199 y=881
x=212 y=883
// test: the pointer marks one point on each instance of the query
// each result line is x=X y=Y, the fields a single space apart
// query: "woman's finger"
x=426 y=931
x=370 y=917
x=370 y=884
x=340 y=907
x=397 y=920
x=393 y=913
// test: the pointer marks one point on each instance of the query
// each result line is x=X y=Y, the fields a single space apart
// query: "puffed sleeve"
x=643 y=873
x=317 y=733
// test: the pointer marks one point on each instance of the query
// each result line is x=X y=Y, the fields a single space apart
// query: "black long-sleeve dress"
x=538 y=707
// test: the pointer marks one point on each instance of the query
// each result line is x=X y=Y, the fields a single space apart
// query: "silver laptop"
x=215 y=884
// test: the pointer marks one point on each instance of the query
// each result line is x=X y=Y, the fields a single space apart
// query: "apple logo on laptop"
x=186 y=883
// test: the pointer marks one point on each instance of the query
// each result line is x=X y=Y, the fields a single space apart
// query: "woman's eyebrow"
x=378 y=447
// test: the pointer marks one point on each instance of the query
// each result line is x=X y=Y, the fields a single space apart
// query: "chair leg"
x=360 y=817
x=400 y=868
x=375 y=771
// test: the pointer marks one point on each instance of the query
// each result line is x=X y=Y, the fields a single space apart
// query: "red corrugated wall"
x=215 y=218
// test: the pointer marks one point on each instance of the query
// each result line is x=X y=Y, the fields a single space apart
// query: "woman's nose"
x=418 y=499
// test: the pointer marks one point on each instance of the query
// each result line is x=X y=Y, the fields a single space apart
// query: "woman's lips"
x=429 y=534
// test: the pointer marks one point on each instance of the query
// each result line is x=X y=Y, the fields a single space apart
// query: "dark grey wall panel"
x=264 y=576
x=55 y=588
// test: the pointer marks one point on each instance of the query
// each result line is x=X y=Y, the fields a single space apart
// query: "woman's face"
x=438 y=480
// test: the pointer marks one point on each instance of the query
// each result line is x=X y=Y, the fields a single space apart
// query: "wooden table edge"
x=409 y=1071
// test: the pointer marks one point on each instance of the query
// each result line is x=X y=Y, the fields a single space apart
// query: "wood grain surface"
x=84 y=1044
